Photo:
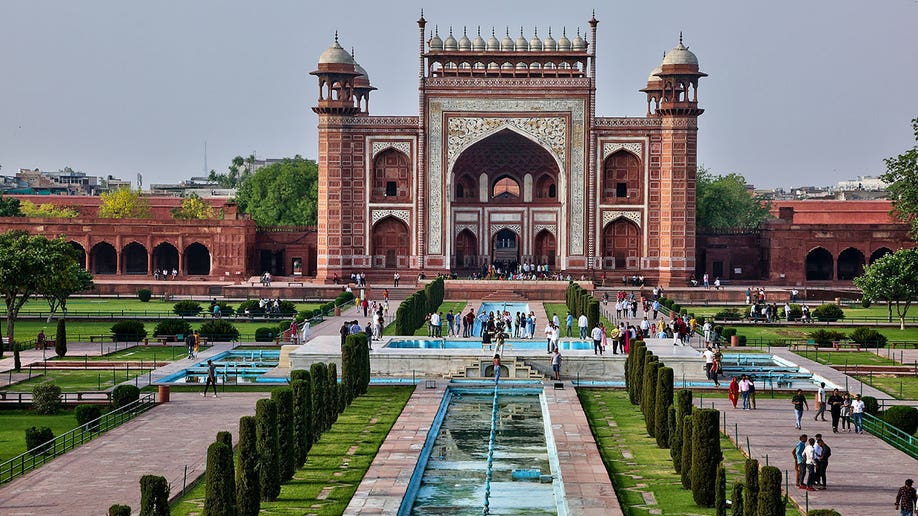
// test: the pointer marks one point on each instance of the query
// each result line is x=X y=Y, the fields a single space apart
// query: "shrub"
x=871 y=406
x=676 y=307
x=187 y=308
x=124 y=395
x=823 y=512
x=741 y=340
x=154 y=496
x=828 y=312
x=705 y=455
x=219 y=330
x=770 y=502
x=736 y=499
x=60 y=339
x=319 y=373
x=283 y=397
x=868 y=337
x=720 y=491
x=729 y=314
x=865 y=302
x=87 y=413
x=332 y=392
x=36 y=437
x=727 y=333
x=826 y=337
x=251 y=305
x=144 y=295
x=226 y=309
x=265 y=334
x=637 y=375
x=46 y=398
x=119 y=510
x=903 y=417
x=220 y=494
x=683 y=408
x=664 y=400
x=302 y=420
x=650 y=394
x=687 y=445
x=752 y=485
x=172 y=327
x=266 y=434
x=248 y=490
x=671 y=429
x=128 y=331
x=226 y=438
x=796 y=311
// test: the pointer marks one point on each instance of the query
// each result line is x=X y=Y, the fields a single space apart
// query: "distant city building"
x=62 y=182
x=201 y=186
x=870 y=183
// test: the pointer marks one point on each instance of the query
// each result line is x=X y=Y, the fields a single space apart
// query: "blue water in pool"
x=487 y=308
x=535 y=344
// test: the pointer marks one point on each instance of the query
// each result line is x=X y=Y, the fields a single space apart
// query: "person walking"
x=733 y=391
x=211 y=378
x=799 y=460
x=744 y=390
x=556 y=364
x=821 y=402
x=905 y=499
x=835 y=407
x=570 y=325
x=582 y=324
x=189 y=342
x=497 y=361
x=596 y=335
x=857 y=414
x=846 y=412
x=799 y=401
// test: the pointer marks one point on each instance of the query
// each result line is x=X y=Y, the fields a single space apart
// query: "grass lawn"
x=136 y=354
x=793 y=331
x=126 y=304
x=329 y=466
x=902 y=387
x=80 y=331
x=561 y=309
x=846 y=357
x=456 y=306
x=79 y=380
x=649 y=469
x=13 y=424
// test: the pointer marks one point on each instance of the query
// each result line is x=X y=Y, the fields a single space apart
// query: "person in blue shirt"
x=799 y=460
x=570 y=324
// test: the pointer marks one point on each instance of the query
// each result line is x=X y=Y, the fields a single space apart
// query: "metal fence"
x=892 y=435
x=63 y=443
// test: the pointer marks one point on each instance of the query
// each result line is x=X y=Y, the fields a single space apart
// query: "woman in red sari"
x=733 y=391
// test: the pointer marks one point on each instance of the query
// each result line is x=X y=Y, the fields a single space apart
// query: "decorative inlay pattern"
x=403 y=215
x=609 y=216
x=516 y=228
x=539 y=227
x=628 y=122
x=462 y=132
x=635 y=148
x=467 y=217
x=505 y=217
x=376 y=120
x=402 y=146
x=471 y=227
x=490 y=82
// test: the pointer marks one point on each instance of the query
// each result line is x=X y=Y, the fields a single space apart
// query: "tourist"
x=395 y=278
x=497 y=360
x=570 y=324
x=549 y=331
x=377 y=328
x=449 y=322
x=857 y=414
x=751 y=394
x=211 y=378
x=706 y=280
x=799 y=401
x=655 y=306
x=645 y=327
x=821 y=402
x=809 y=456
x=823 y=452
x=706 y=329
x=40 y=340
x=189 y=342
x=733 y=391
x=197 y=342
x=846 y=412
x=716 y=283
x=800 y=461
x=469 y=323
x=175 y=274
x=368 y=331
x=344 y=331
x=835 y=406
x=437 y=320
x=596 y=335
x=556 y=364
x=748 y=295
x=744 y=390
x=715 y=368
x=486 y=333
x=294 y=331
x=582 y=323
x=708 y=355
x=531 y=324
x=905 y=499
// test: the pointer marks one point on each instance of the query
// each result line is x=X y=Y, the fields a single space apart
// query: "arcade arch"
x=197 y=260
x=390 y=241
x=391 y=177
x=80 y=253
x=103 y=259
x=879 y=253
x=819 y=265
x=134 y=259
x=621 y=240
x=850 y=264
x=165 y=256
x=622 y=179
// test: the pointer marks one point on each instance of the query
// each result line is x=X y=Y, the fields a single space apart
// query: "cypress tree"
x=687 y=444
x=332 y=393
x=283 y=397
x=299 y=374
x=60 y=339
x=319 y=374
x=268 y=464
x=752 y=486
x=302 y=439
x=154 y=496
x=736 y=501
x=720 y=492
x=770 y=502
x=220 y=496
x=683 y=408
x=226 y=438
x=119 y=510
x=705 y=455
x=363 y=354
x=661 y=405
x=650 y=393
x=637 y=373
x=349 y=368
x=248 y=486
x=675 y=446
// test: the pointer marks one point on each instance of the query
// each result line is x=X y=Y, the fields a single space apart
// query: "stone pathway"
x=107 y=470
x=864 y=472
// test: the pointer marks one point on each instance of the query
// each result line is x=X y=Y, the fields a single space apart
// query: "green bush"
x=683 y=409
x=752 y=485
x=251 y=305
x=124 y=395
x=129 y=331
x=226 y=438
x=46 y=398
x=826 y=337
x=729 y=314
x=865 y=302
x=302 y=420
x=770 y=502
x=868 y=337
x=226 y=309
x=650 y=394
x=706 y=454
x=676 y=307
x=36 y=437
x=87 y=413
x=144 y=295
x=332 y=392
x=828 y=312
x=796 y=311
x=727 y=333
x=154 y=496
x=283 y=397
x=823 y=512
x=720 y=491
x=671 y=429
x=637 y=374
x=187 y=308
x=172 y=327
x=903 y=417
x=119 y=510
x=265 y=334
x=687 y=445
x=219 y=330
x=319 y=373
x=664 y=400
x=220 y=487
x=248 y=490
x=268 y=459
x=871 y=406
x=60 y=340
x=736 y=499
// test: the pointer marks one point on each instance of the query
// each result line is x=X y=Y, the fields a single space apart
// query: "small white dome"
x=450 y=43
x=506 y=44
x=478 y=44
x=653 y=75
x=335 y=54
x=535 y=44
x=564 y=44
x=579 y=44
x=521 y=44
x=493 y=43
x=680 y=55
x=465 y=44
x=549 y=44
x=435 y=42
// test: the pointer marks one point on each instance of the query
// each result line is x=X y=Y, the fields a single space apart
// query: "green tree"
x=332 y=392
x=47 y=210
x=894 y=279
x=10 y=207
x=285 y=427
x=770 y=502
x=736 y=499
x=302 y=419
x=320 y=419
x=281 y=194
x=752 y=486
x=154 y=496
x=706 y=454
x=687 y=445
x=664 y=400
x=239 y=169
x=266 y=432
x=124 y=203
x=651 y=366
x=248 y=486
x=902 y=177
x=720 y=491
x=193 y=208
x=220 y=494
x=66 y=278
x=683 y=409
x=724 y=202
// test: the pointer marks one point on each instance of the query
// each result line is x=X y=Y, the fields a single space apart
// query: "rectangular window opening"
x=391 y=189
x=621 y=189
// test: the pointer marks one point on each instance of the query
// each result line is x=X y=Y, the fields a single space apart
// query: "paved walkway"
x=864 y=472
x=107 y=470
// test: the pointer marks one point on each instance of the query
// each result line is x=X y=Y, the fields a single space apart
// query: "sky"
x=799 y=93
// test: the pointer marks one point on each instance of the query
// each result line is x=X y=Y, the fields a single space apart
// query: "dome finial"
x=680 y=37
x=492 y=31
x=353 y=54
x=521 y=31
x=479 y=30
x=450 y=30
x=508 y=31
x=336 y=36
x=463 y=30
x=535 y=31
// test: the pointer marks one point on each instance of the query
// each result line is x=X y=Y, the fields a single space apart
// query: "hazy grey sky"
x=801 y=92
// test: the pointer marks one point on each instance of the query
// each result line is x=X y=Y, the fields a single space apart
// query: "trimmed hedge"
x=187 y=308
x=683 y=409
x=60 y=340
x=283 y=397
x=36 y=437
x=770 y=501
x=266 y=435
x=868 y=337
x=412 y=312
x=636 y=374
x=302 y=419
x=736 y=499
x=903 y=417
x=266 y=334
x=826 y=337
x=664 y=400
x=650 y=394
x=828 y=312
x=720 y=491
x=752 y=485
x=226 y=438
x=706 y=454
x=332 y=406
x=687 y=445
x=46 y=398
x=124 y=395
x=355 y=366
x=144 y=295
x=319 y=373
x=220 y=488
x=119 y=510
x=219 y=330
x=128 y=331
x=87 y=413
x=248 y=485
x=871 y=406
x=154 y=496
x=172 y=327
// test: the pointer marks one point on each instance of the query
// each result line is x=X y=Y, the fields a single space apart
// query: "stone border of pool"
x=588 y=489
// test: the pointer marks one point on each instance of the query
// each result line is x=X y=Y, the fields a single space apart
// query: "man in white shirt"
x=857 y=414
x=549 y=334
x=707 y=331
x=582 y=323
x=708 y=361
x=645 y=327
x=556 y=320
x=821 y=402
x=809 y=457
x=435 y=323
x=596 y=334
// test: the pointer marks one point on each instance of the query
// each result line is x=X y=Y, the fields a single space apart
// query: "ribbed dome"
x=478 y=44
x=680 y=56
x=564 y=44
x=435 y=42
x=465 y=44
x=450 y=43
x=521 y=44
x=579 y=44
x=506 y=44
x=535 y=44
x=493 y=44
x=335 y=54
x=549 y=44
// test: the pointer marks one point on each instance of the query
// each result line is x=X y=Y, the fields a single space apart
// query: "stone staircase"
x=484 y=369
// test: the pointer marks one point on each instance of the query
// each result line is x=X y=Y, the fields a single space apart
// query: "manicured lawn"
x=138 y=354
x=13 y=424
x=793 y=331
x=902 y=387
x=130 y=305
x=846 y=357
x=79 y=380
x=329 y=466
x=80 y=331
x=649 y=468
x=456 y=306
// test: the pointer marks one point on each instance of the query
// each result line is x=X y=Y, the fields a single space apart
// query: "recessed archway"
x=80 y=253
x=850 y=264
x=819 y=265
x=879 y=253
x=103 y=258
x=134 y=259
x=390 y=241
x=545 y=249
x=505 y=248
x=621 y=239
x=197 y=260
x=466 y=249
x=622 y=179
x=165 y=256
